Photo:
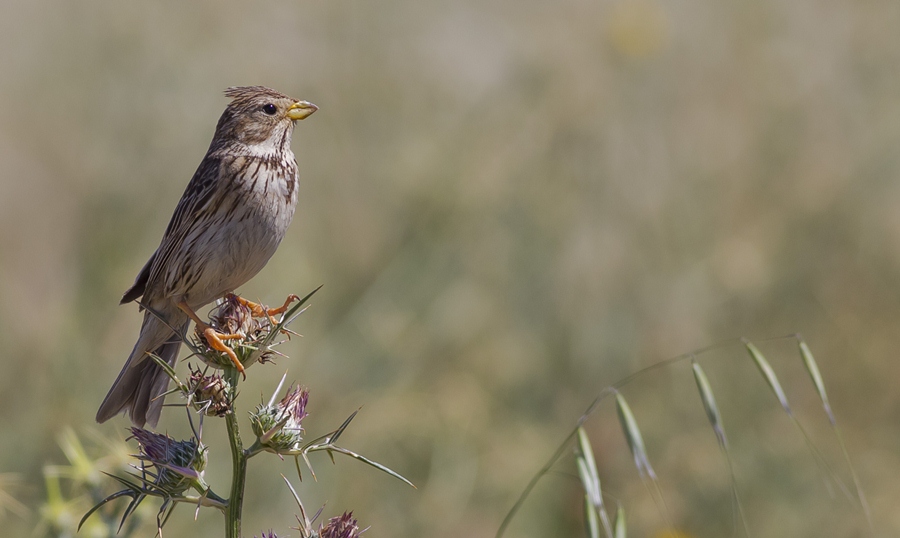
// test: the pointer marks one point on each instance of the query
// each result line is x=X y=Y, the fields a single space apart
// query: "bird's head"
x=260 y=119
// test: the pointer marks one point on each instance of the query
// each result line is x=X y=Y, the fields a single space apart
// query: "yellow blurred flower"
x=637 y=28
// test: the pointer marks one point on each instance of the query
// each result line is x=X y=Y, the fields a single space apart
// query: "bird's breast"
x=265 y=199
x=249 y=223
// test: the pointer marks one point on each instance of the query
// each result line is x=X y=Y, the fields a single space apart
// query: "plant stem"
x=239 y=466
x=254 y=449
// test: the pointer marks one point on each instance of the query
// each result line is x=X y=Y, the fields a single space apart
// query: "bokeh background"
x=511 y=205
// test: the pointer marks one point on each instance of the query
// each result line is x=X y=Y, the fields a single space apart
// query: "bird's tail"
x=138 y=388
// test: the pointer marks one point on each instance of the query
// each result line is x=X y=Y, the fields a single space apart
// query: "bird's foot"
x=258 y=310
x=214 y=338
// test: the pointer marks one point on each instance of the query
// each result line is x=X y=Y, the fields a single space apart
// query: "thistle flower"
x=254 y=344
x=209 y=393
x=179 y=464
x=269 y=534
x=231 y=316
x=278 y=427
x=343 y=526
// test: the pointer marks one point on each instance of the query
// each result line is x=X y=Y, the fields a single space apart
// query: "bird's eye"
x=269 y=109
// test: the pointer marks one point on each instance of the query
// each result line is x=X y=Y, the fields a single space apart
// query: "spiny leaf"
x=332 y=438
x=293 y=491
x=167 y=368
x=133 y=491
x=309 y=466
x=288 y=317
x=305 y=527
x=365 y=460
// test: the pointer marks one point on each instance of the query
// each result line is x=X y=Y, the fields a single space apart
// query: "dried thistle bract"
x=247 y=329
x=209 y=394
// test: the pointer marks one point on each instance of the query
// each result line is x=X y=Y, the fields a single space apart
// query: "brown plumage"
x=228 y=223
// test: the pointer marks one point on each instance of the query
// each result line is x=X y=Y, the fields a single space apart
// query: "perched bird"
x=228 y=223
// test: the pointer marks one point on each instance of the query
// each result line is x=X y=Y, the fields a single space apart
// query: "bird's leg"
x=259 y=311
x=214 y=338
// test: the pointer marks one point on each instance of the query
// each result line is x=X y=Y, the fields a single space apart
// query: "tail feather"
x=139 y=385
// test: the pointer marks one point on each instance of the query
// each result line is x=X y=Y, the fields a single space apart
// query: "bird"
x=228 y=223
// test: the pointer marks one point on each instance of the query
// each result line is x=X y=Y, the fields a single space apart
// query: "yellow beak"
x=301 y=110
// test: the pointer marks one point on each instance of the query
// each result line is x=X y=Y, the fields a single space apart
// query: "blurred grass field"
x=511 y=205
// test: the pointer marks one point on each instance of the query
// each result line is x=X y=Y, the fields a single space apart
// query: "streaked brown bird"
x=228 y=223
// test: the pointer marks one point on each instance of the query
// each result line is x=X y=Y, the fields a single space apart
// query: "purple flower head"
x=278 y=427
x=343 y=526
x=176 y=463
x=294 y=405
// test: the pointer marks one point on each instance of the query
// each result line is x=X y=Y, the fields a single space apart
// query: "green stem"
x=209 y=498
x=239 y=466
x=254 y=449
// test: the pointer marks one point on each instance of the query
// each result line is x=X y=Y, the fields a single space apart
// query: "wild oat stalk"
x=813 y=369
x=173 y=471
x=596 y=516
x=594 y=507
x=771 y=379
x=715 y=420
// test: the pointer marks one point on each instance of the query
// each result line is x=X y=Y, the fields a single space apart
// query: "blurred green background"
x=511 y=205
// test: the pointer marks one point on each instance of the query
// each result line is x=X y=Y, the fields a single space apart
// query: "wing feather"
x=196 y=196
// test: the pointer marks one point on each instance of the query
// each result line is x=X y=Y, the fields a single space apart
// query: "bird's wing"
x=196 y=196
x=140 y=283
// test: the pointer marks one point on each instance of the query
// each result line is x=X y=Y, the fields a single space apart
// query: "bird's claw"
x=258 y=310
x=216 y=339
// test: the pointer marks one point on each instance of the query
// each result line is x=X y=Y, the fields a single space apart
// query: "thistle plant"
x=173 y=471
